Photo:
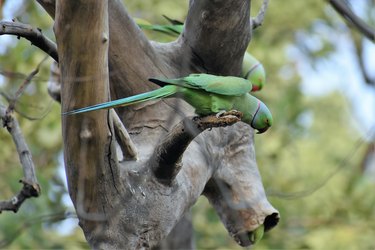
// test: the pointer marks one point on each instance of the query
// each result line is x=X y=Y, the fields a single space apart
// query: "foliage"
x=308 y=160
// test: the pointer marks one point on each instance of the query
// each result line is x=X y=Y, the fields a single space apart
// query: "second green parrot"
x=208 y=94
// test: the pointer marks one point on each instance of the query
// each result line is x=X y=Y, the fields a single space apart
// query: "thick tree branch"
x=89 y=149
x=31 y=187
x=258 y=20
x=34 y=35
x=166 y=160
x=214 y=38
x=344 y=10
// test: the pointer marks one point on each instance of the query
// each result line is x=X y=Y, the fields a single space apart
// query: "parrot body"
x=208 y=94
x=252 y=69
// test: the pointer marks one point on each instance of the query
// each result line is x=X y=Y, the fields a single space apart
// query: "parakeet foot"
x=224 y=113
x=219 y=120
x=220 y=113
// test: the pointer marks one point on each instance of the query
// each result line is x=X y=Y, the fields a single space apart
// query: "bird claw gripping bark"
x=221 y=119
x=229 y=113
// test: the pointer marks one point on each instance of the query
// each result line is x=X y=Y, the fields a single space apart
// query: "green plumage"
x=257 y=234
x=208 y=94
x=254 y=71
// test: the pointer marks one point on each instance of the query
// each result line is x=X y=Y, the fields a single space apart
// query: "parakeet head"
x=257 y=77
x=262 y=119
x=253 y=71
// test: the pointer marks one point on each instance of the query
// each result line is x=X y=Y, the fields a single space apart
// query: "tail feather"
x=152 y=95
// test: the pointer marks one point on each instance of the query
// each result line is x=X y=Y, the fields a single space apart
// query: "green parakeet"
x=208 y=94
x=252 y=69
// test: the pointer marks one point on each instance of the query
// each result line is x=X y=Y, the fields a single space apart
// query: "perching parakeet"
x=252 y=69
x=208 y=94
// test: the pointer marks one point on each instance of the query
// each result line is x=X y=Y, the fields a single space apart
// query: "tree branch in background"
x=24 y=114
x=358 y=45
x=34 y=35
x=21 y=89
x=344 y=10
x=31 y=187
x=166 y=159
x=21 y=228
x=258 y=20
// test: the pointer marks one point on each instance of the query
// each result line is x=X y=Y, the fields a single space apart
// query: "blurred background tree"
x=315 y=162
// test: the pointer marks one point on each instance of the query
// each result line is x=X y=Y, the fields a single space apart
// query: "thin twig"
x=345 y=11
x=22 y=227
x=31 y=187
x=258 y=20
x=22 y=88
x=27 y=116
x=34 y=35
x=129 y=150
x=358 y=45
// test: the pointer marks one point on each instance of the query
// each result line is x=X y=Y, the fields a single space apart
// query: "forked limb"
x=166 y=159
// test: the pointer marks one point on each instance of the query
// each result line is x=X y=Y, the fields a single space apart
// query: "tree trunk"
x=127 y=204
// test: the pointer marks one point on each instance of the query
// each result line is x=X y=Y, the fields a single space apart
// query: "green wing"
x=223 y=85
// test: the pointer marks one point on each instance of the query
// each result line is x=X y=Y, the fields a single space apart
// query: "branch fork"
x=31 y=187
x=166 y=159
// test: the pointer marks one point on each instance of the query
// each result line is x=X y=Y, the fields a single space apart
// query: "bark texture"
x=103 y=55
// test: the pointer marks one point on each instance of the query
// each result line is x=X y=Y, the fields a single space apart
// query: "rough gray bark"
x=126 y=204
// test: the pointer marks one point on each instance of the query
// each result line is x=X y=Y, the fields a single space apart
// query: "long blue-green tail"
x=165 y=91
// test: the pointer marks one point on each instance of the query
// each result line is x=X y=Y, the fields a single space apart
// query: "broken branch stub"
x=166 y=159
